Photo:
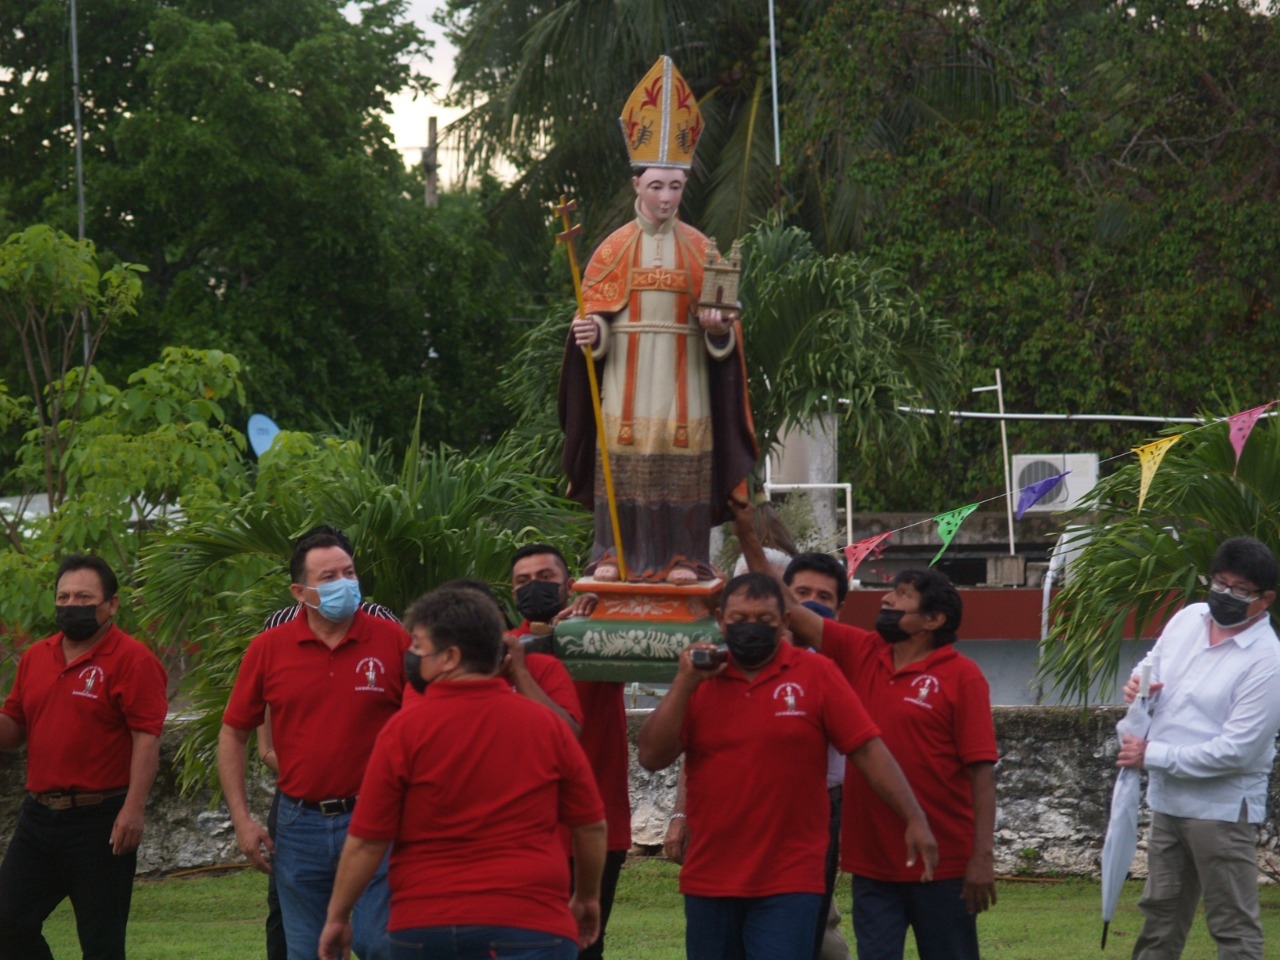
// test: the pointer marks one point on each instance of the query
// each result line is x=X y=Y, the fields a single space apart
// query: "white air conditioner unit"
x=1029 y=468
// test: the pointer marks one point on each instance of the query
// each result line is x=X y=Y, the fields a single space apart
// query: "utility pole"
x=79 y=128
x=430 y=165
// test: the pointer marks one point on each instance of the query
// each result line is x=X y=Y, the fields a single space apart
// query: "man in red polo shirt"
x=330 y=679
x=89 y=703
x=754 y=732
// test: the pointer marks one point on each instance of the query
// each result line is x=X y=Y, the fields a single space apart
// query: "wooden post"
x=430 y=166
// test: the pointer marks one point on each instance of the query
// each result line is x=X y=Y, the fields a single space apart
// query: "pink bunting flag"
x=948 y=524
x=1242 y=426
x=1033 y=492
x=1149 y=457
x=855 y=553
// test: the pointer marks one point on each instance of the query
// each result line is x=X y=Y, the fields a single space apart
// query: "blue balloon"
x=262 y=430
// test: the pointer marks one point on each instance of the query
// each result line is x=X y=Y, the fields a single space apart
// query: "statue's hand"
x=586 y=330
x=716 y=322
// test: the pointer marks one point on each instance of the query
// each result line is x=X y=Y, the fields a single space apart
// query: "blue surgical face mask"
x=339 y=599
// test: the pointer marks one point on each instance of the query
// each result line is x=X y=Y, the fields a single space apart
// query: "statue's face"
x=659 y=191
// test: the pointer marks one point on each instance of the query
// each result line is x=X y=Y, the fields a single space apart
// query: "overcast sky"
x=408 y=119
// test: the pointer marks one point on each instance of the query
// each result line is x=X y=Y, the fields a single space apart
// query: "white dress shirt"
x=1212 y=738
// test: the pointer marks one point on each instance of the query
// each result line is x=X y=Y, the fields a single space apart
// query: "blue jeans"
x=943 y=925
x=779 y=927
x=308 y=845
x=479 y=943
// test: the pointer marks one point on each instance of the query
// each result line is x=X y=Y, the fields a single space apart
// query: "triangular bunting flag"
x=1242 y=426
x=948 y=524
x=855 y=553
x=1149 y=456
x=1030 y=494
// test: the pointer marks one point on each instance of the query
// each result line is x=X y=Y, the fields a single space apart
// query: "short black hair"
x=937 y=595
x=1248 y=558
x=87 y=561
x=533 y=549
x=332 y=531
x=820 y=563
x=756 y=586
x=314 y=541
x=464 y=618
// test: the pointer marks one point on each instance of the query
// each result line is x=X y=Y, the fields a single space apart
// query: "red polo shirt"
x=472 y=786
x=80 y=717
x=756 y=760
x=605 y=742
x=548 y=673
x=327 y=706
x=936 y=718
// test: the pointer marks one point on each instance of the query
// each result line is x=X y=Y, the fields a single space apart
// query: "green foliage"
x=138 y=460
x=837 y=335
x=415 y=520
x=239 y=150
x=1137 y=567
x=57 y=302
x=1087 y=190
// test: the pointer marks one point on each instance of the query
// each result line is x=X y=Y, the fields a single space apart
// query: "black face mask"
x=750 y=643
x=539 y=600
x=77 y=623
x=1227 y=610
x=413 y=671
x=889 y=625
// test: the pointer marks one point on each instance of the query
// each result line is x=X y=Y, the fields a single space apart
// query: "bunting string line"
x=1149 y=456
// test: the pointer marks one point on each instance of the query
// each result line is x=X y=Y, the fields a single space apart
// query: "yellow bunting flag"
x=1149 y=456
x=948 y=524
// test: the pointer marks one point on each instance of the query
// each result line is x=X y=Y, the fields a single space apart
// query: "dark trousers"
x=55 y=854
x=613 y=862
x=277 y=948
x=943 y=925
x=836 y=795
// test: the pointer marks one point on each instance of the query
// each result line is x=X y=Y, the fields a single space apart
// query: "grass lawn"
x=219 y=917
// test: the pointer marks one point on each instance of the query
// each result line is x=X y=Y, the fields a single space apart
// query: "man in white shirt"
x=1208 y=755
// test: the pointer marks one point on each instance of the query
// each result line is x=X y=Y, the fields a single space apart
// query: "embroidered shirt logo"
x=925 y=686
x=92 y=680
x=372 y=671
x=789 y=693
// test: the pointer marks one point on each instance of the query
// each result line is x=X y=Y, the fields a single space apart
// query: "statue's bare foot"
x=606 y=573
x=682 y=575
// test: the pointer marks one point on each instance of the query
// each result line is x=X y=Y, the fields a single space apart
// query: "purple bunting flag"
x=948 y=524
x=1033 y=492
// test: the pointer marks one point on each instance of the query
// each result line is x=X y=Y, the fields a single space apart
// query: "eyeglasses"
x=1236 y=590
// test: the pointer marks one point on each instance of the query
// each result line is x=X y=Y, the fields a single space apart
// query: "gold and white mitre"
x=661 y=121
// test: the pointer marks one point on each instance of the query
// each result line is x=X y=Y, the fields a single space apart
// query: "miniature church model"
x=720 y=279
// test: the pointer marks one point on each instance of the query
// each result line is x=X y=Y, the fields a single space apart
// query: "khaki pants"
x=1186 y=858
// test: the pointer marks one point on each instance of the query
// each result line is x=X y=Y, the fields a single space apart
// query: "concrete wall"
x=1054 y=780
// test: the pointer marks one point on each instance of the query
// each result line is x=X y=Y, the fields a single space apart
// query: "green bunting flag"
x=948 y=524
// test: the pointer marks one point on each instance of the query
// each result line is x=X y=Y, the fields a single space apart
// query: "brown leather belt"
x=70 y=799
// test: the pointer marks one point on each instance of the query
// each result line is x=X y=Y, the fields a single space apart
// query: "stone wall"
x=1054 y=780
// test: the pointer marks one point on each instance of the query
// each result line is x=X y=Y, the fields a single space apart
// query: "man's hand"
x=335 y=940
x=922 y=846
x=979 y=890
x=676 y=842
x=583 y=605
x=513 y=661
x=255 y=843
x=586 y=330
x=696 y=675
x=126 y=832
x=1133 y=752
x=1131 y=688
x=587 y=913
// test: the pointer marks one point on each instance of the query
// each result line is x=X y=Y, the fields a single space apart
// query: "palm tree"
x=1136 y=567
x=438 y=515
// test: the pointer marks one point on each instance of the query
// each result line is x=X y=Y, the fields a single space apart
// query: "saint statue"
x=673 y=386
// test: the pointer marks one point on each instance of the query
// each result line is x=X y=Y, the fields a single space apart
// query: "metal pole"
x=79 y=128
x=777 y=136
x=998 y=387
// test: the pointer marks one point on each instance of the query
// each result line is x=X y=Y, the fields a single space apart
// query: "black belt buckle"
x=338 y=805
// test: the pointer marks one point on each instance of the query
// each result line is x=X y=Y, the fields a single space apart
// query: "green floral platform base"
x=645 y=651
